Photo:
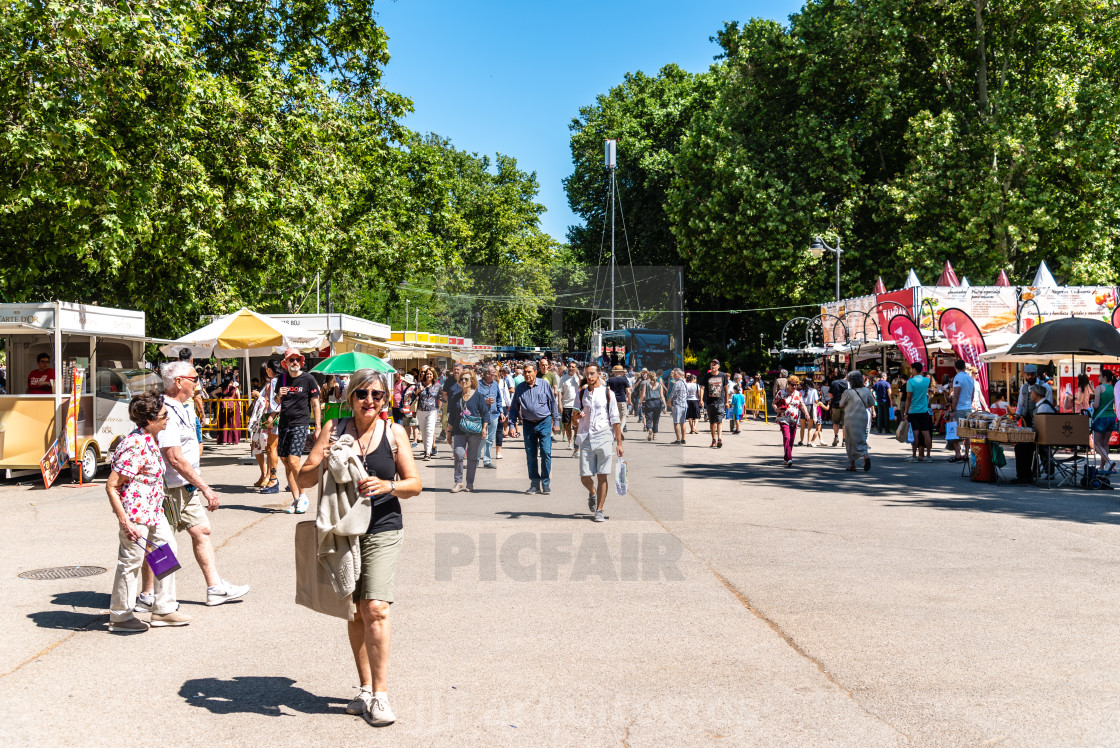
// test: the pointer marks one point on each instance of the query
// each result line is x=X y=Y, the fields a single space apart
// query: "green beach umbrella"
x=348 y=363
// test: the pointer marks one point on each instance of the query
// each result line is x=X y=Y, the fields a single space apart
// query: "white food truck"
x=107 y=343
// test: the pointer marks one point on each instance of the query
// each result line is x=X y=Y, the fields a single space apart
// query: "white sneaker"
x=292 y=507
x=225 y=592
x=360 y=703
x=302 y=504
x=144 y=603
x=379 y=713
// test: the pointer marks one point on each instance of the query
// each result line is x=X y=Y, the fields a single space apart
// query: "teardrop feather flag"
x=968 y=343
x=909 y=340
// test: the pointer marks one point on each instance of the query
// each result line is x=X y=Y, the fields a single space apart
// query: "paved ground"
x=728 y=600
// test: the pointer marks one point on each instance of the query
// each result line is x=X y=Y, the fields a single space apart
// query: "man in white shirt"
x=569 y=389
x=185 y=488
x=599 y=436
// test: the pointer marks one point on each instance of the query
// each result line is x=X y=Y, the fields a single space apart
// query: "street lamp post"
x=817 y=248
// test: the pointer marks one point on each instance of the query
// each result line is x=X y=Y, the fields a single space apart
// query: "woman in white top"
x=692 y=402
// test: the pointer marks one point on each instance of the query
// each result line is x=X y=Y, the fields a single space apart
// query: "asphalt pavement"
x=727 y=600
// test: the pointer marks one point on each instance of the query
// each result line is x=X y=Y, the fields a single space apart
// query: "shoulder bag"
x=470 y=424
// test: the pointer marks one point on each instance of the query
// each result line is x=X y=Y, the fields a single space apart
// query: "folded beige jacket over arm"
x=343 y=515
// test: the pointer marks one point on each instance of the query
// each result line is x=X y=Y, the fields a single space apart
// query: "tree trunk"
x=981 y=58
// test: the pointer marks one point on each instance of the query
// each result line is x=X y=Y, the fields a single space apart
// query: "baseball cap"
x=1030 y=368
x=713 y=361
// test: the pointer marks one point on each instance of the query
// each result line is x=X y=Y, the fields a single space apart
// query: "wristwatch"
x=392 y=486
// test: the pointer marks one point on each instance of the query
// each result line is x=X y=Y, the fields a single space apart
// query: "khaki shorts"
x=380 y=552
x=191 y=509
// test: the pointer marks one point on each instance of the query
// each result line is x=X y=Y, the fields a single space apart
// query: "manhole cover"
x=63 y=572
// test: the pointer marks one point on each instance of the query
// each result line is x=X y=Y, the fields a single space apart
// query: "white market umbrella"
x=912 y=280
x=242 y=334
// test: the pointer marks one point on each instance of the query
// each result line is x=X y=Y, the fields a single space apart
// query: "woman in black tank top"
x=392 y=476
x=380 y=463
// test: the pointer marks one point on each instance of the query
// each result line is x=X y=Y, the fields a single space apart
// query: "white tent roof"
x=912 y=280
x=214 y=338
x=1043 y=278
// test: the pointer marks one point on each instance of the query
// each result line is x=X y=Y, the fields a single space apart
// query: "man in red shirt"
x=41 y=381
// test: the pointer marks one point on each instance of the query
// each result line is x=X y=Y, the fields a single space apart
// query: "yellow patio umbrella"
x=243 y=333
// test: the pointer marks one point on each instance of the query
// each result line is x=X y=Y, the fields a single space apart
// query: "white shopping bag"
x=620 y=478
x=910 y=434
x=951 y=431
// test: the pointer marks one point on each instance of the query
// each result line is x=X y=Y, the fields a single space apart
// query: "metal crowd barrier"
x=756 y=400
x=225 y=413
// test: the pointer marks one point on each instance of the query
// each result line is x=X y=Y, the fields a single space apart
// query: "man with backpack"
x=598 y=431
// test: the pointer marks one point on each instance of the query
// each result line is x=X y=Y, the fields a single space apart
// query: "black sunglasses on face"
x=364 y=394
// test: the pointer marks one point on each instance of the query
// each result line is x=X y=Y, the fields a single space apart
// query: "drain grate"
x=63 y=572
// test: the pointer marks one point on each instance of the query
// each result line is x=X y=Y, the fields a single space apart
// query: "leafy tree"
x=916 y=133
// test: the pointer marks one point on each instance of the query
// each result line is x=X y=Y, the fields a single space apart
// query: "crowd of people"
x=156 y=487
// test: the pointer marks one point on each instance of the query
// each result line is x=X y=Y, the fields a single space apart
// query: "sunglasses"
x=465 y=379
x=294 y=360
x=162 y=415
x=365 y=394
x=193 y=379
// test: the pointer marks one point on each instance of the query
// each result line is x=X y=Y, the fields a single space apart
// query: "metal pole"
x=838 y=268
x=316 y=293
x=612 y=247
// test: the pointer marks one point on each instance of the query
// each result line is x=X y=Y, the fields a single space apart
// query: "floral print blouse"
x=138 y=459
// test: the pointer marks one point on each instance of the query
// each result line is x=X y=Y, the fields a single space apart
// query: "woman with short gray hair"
x=856 y=403
x=392 y=476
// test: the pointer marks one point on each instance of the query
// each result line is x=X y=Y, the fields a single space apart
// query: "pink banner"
x=908 y=338
x=889 y=308
x=967 y=342
x=1116 y=316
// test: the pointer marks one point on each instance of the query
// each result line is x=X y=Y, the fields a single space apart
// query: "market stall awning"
x=243 y=333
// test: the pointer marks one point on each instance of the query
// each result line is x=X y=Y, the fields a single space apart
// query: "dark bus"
x=639 y=348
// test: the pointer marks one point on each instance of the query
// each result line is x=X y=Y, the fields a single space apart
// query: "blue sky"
x=508 y=77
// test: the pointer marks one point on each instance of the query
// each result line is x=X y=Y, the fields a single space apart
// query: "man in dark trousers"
x=535 y=403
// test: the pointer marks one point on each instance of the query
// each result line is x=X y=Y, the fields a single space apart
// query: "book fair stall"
x=988 y=327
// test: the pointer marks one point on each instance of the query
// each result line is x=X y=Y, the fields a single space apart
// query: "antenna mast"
x=611 y=163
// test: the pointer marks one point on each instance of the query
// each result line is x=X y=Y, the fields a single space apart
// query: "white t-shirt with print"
x=180 y=432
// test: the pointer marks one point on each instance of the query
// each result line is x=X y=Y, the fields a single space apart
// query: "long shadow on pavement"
x=256 y=695
x=72 y=620
x=899 y=485
x=256 y=509
x=543 y=515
